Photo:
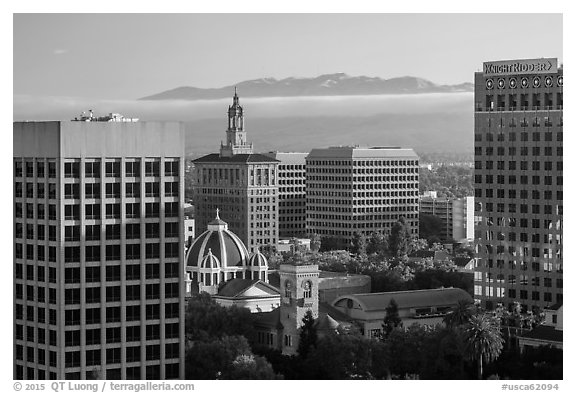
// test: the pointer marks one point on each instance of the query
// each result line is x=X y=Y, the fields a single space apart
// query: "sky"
x=128 y=56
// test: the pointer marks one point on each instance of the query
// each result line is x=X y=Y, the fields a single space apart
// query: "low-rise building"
x=423 y=307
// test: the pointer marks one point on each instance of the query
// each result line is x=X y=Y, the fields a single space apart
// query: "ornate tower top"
x=236 y=141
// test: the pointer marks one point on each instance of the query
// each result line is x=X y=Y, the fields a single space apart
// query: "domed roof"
x=223 y=244
x=210 y=261
x=258 y=259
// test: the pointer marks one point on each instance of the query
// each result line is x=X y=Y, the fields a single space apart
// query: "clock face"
x=288 y=284
x=306 y=285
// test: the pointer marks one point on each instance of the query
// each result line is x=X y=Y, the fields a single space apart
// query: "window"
x=171 y=250
x=153 y=230
x=132 y=272
x=71 y=254
x=93 y=295
x=113 y=273
x=113 y=314
x=93 y=211
x=113 y=355
x=133 y=210
x=112 y=190
x=152 y=190
x=92 y=190
x=72 y=233
x=52 y=170
x=113 y=294
x=18 y=168
x=152 y=252
x=152 y=331
x=133 y=333
x=171 y=229
x=92 y=274
x=92 y=253
x=132 y=169
x=92 y=169
x=132 y=313
x=153 y=291
x=92 y=232
x=18 y=190
x=113 y=210
x=153 y=210
x=132 y=190
x=72 y=191
x=171 y=209
x=72 y=170
x=132 y=231
x=40 y=191
x=30 y=190
x=152 y=168
x=172 y=189
x=112 y=252
x=113 y=169
x=171 y=168
x=132 y=251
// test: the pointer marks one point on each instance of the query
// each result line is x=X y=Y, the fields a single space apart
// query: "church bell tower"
x=298 y=294
x=236 y=140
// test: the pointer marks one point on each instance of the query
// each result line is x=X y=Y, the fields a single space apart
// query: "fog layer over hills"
x=434 y=122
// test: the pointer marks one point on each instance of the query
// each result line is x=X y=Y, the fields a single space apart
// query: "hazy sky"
x=126 y=56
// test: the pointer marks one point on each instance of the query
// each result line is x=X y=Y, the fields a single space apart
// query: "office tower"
x=457 y=215
x=291 y=193
x=243 y=185
x=365 y=190
x=98 y=249
x=518 y=183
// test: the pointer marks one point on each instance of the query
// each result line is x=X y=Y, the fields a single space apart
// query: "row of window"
x=113 y=373
x=92 y=253
x=512 y=293
x=501 y=137
x=112 y=190
x=535 y=151
x=92 y=169
x=535 y=180
x=359 y=163
x=512 y=165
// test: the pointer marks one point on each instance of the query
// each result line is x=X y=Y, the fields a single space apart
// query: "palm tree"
x=460 y=314
x=484 y=340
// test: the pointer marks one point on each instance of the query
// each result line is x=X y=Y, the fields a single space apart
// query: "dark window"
x=132 y=231
x=152 y=168
x=133 y=169
x=113 y=169
x=92 y=169
x=112 y=231
x=112 y=190
x=152 y=230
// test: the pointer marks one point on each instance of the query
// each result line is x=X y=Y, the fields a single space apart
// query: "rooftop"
x=215 y=157
x=362 y=152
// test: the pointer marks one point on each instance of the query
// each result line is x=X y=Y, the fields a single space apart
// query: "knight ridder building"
x=518 y=183
x=353 y=189
x=98 y=250
x=242 y=184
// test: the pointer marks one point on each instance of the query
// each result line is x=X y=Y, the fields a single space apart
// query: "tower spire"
x=236 y=141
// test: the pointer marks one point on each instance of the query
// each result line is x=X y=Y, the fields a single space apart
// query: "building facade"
x=518 y=125
x=241 y=184
x=457 y=215
x=352 y=189
x=98 y=250
x=291 y=193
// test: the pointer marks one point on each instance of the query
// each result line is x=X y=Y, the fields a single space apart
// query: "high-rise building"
x=518 y=183
x=457 y=215
x=365 y=190
x=291 y=193
x=98 y=249
x=243 y=185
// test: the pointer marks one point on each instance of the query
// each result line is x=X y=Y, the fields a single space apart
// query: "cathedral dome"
x=258 y=260
x=210 y=261
x=222 y=244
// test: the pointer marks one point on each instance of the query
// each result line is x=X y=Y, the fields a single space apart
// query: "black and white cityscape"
x=288 y=197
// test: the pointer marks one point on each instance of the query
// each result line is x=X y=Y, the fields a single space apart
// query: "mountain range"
x=339 y=84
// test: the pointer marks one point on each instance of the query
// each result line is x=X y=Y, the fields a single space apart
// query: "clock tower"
x=299 y=293
x=236 y=140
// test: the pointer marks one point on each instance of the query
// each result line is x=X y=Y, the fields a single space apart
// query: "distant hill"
x=338 y=84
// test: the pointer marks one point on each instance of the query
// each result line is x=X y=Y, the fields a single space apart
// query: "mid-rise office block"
x=457 y=215
x=241 y=184
x=365 y=190
x=291 y=193
x=98 y=250
x=518 y=178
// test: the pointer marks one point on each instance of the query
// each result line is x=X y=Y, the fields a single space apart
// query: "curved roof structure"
x=257 y=259
x=223 y=244
x=405 y=299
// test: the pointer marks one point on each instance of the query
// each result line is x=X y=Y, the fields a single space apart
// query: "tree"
x=329 y=243
x=308 y=335
x=484 y=340
x=315 y=243
x=392 y=319
x=460 y=314
x=213 y=359
x=399 y=238
x=251 y=367
x=430 y=225
x=359 y=244
x=377 y=244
